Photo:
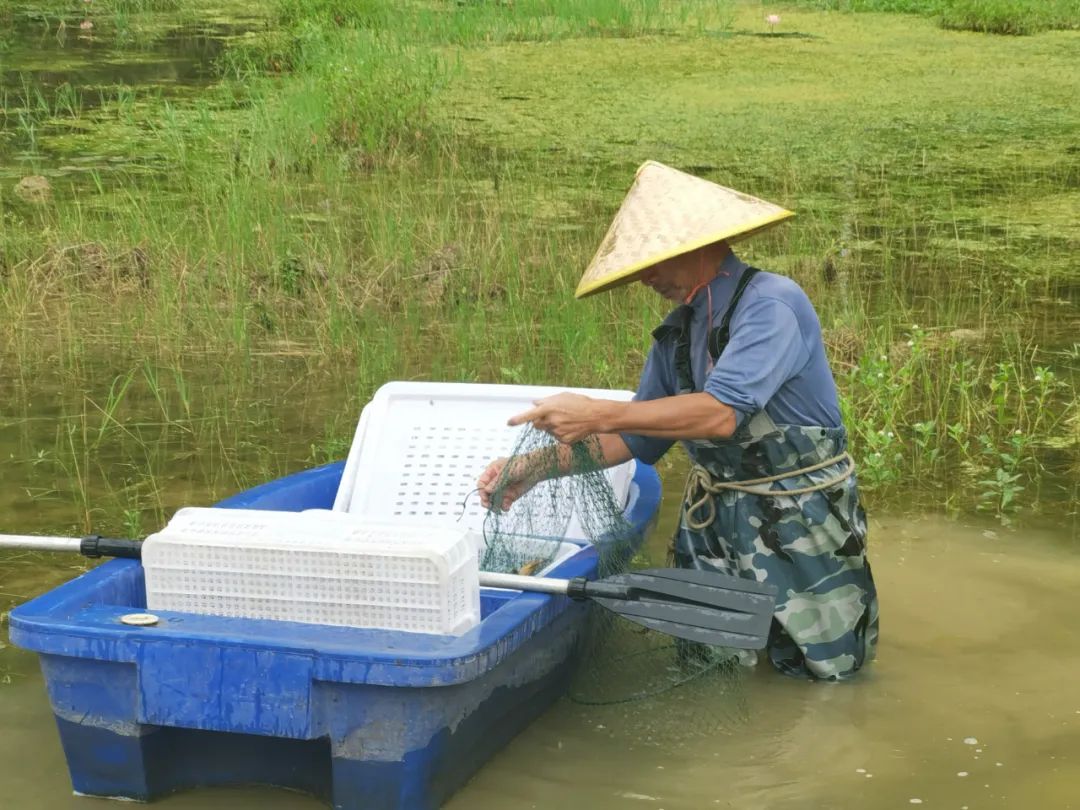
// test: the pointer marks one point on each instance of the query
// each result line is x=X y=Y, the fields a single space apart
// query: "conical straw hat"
x=667 y=213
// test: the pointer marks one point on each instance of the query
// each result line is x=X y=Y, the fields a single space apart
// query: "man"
x=738 y=373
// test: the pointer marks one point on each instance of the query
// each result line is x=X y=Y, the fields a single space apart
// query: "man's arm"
x=571 y=417
x=613 y=451
x=516 y=476
x=689 y=416
x=559 y=459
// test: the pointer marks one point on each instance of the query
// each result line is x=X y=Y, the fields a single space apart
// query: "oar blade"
x=702 y=606
x=707 y=588
x=708 y=625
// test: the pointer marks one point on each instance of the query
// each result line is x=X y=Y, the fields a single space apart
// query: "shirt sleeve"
x=766 y=350
x=655 y=383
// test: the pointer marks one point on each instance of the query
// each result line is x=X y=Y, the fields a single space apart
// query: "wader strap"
x=719 y=337
x=684 y=369
x=701 y=487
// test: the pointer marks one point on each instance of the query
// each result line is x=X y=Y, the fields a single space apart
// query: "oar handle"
x=95 y=545
x=576 y=588
x=33 y=542
x=518 y=582
x=92 y=546
x=581 y=588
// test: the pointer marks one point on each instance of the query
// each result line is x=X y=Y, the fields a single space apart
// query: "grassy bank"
x=412 y=190
x=1010 y=17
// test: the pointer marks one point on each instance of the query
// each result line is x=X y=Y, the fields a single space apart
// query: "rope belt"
x=701 y=486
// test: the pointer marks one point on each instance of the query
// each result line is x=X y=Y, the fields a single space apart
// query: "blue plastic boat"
x=364 y=719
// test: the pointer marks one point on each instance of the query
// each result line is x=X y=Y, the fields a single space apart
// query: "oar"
x=702 y=606
x=694 y=605
x=90 y=546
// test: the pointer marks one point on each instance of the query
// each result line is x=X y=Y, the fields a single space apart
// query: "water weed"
x=1015 y=17
x=410 y=190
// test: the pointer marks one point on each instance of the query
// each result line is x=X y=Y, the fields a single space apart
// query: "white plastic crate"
x=420 y=446
x=318 y=566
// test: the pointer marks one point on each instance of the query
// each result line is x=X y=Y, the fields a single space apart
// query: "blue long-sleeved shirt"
x=775 y=358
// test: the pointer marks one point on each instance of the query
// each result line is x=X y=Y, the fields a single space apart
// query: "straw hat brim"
x=668 y=213
x=634 y=272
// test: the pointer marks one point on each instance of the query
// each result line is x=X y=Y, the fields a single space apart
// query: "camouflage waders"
x=810 y=544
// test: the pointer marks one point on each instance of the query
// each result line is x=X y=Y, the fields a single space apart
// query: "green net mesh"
x=620 y=665
x=526 y=538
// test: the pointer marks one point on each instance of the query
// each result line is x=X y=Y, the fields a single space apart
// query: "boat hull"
x=359 y=718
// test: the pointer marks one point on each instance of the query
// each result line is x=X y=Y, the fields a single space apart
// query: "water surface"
x=969 y=705
x=76 y=101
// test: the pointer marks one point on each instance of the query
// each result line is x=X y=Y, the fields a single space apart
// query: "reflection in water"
x=965 y=706
x=68 y=93
x=969 y=704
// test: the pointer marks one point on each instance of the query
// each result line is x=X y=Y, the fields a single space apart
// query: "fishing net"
x=582 y=505
x=656 y=683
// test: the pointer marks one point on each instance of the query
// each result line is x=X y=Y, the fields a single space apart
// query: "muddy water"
x=977 y=642
x=970 y=704
x=976 y=666
x=67 y=92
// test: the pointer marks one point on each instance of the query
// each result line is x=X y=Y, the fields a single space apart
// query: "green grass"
x=1015 y=17
x=475 y=22
x=412 y=190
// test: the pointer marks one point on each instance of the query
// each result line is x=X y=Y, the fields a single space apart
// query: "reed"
x=1012 y=17
x=410 y=190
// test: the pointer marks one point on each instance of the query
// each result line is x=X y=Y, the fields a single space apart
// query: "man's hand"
x=568 y=417
x=514 y=481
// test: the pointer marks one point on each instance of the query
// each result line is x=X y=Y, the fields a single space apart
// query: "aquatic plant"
x=1016 y=17
x=411 y=202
